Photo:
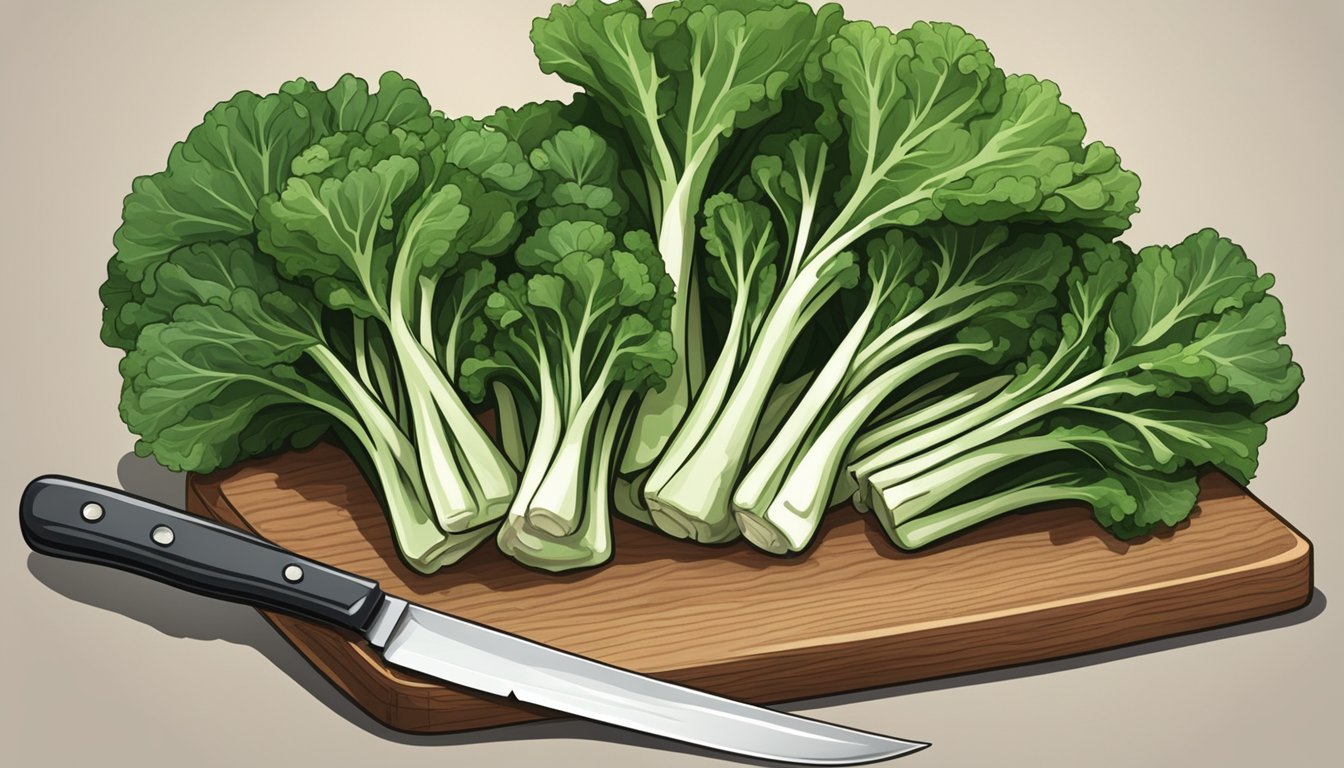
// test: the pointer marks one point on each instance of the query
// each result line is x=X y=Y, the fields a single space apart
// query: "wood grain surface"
x=852 y=612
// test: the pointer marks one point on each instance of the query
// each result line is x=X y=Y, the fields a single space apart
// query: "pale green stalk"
x=930 y=528
x=864 y=454
x=784 y=514
x=906 y=500
x=470 y=481
x=694 y=502
x=761 y=480
x=394 y=460
x=589 y=544
x=513 y=538
x=556 y=507
x=661 y=412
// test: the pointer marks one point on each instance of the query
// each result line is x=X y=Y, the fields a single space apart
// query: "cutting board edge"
x=408 y=703
x=394 y=698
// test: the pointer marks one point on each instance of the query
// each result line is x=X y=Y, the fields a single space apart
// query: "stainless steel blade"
x=475 y=656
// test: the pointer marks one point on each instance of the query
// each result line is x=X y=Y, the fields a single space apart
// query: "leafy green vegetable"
x=249 y=369
x=295 y=243
x=766 y=260
x=1166 y=361
x=970 y=302
x=459 y=188
x=933 y=133
x=582 y=335
x=209 y=192
x=679 y=82
x=576 y=334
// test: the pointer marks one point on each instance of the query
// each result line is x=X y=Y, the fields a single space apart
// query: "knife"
x=69 y=518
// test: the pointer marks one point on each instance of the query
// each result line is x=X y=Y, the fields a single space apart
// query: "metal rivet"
x=91 y=512
x=162 y=535
x=293 y=573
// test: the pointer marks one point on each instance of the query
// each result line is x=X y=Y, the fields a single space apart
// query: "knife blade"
x=69 y=518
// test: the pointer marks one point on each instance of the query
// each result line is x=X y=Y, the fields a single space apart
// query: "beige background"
x=1231 y=113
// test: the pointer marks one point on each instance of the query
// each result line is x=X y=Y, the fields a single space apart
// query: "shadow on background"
x=178 y=615
x=1314 y=607
x=173 y=613
x=147 y=478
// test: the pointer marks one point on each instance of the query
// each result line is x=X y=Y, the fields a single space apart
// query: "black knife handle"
x=76 y=520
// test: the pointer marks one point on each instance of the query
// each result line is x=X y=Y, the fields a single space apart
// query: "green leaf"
x=429 y=238
x=1174 y=289
x=584 y=308
x=206 y=273
x=121 y=299
x=339 y=232
x=214 y=179
x=1091 y=285
x=729 y=61
x=398 y=102
x=785 y=174
x=691 y=72
x=194 y=386
x=1113 y=505
x=243 y=151
x=739 y=236
x=936 y=132
x=550 y=245
x=488 y=155
x=576 y=155
x=1178 y=431
x=460 y=320
x=1031 y=164
x=579 y=175
x=1237 y=353
x=983 y=264
x=1198 y=315
x=599 y=47
x=532 y=123
x=209 y=273
x=916 y=88
x=1158 y=499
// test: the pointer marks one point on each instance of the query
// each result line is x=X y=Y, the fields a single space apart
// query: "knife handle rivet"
x=91 y=512
x=293 y=573
x=162 y=535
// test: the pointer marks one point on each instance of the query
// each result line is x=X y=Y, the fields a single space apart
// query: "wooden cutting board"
x=853 y=612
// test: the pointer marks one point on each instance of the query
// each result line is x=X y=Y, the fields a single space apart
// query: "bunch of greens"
x=318 y=261
x=1163 y=361
x=767 y=259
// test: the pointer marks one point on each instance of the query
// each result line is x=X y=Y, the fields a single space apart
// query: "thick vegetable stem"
x=394 y=459
x=788 y=499
x=930 y=528
x=556 y=508
x=694 y=502
x=660 y=413
x=469 y=479
x=588 y=542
